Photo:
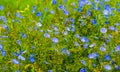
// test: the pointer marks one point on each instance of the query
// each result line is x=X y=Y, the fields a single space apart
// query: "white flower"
x=39 y=24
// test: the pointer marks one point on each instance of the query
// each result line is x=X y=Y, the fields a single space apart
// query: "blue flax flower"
x=54 y=2
x=38 y=13
x=3 y=53
x=34 y=9
x=117 y=67
x=94 y=65
x=23 y=35
x=103 y=30
x=15 y=61
x=107 y=10
x=106 y=22
x=79 y=9
x=1 y=7
x=21 y=57
x=3 y=18
x=94 y=21
x=73 y=29
x=1 y=47
x=84 y=39
x=31 y=58
x=65 y=51
x=102 y=49
x=77 y=36
x=107 y=57
x=107 y=67
x=82 y=70
x=18 y=71
x=52 y=12
x=18 y=42
x=5 y=27
x=85 y=45
x=117 y=48
x=55 y=40
x=56 y=32
x=112 y=28
x=118 y=10
x=18 y=15
x=72 y=20
x=46 y=35
x=61 y=7
x=93 y=55
x=65 y=12
x=50 y=70
x=83 y=62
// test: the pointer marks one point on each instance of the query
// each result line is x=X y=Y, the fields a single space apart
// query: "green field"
x=59 y=35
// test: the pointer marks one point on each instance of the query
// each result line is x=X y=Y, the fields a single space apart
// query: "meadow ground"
x=59 y=35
